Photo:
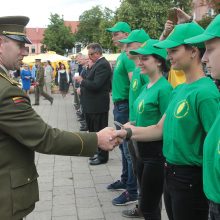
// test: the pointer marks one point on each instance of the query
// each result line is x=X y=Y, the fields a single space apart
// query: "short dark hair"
x=96 y=47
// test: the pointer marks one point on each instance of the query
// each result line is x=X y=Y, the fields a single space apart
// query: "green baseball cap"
x=148 y=48
x=120 y=26
x=180 y=33
x=138 y=35
x=212 y=31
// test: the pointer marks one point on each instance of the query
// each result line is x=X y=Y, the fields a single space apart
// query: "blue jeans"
x=121 y=114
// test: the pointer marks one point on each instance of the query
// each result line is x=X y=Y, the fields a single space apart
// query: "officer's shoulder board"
x=13 y=82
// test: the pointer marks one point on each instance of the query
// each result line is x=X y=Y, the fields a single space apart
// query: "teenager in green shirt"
x=149 y=107
x=134 y=40
x=183 y=127
x=211 y=149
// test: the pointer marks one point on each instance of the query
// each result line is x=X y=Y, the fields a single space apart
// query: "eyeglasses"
x=90 y=54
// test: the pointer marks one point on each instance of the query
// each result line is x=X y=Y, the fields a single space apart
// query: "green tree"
x=88 y=29
x=58 y=37
x=150 y=15
x=106 y=22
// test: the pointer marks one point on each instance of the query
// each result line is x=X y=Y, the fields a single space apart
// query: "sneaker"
x=132 y=213
x=117 y=185
x=123 y=199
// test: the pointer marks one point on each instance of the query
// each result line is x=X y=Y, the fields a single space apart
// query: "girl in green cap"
x=191 y=112
x=149 y=108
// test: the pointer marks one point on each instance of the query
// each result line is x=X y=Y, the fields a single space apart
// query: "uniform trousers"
x=39 y=91
x=183 y=193
x=95 y=123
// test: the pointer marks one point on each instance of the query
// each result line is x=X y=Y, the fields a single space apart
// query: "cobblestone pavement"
x=71 y=189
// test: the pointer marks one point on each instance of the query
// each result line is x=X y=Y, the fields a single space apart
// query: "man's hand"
x=108 y=139
x=78 y=79
x=78 y=91
x=182 y=16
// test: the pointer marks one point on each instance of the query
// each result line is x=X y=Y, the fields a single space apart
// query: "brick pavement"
x=71 y=189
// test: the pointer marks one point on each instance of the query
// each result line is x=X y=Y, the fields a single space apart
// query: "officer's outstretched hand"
x=107 y=139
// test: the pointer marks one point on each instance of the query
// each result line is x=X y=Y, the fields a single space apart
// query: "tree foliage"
x=147 y=14
x=88 y=29
x=58 y=37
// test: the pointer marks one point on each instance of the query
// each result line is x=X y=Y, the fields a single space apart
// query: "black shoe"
x=97 y=161
x=36 y=104
x=51 y=101
x=93 y=157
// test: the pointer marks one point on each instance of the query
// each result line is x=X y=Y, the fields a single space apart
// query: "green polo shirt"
x=189 y=116
x=152 y=103
x=120 y=81
x=211 y=162
x=138 y=80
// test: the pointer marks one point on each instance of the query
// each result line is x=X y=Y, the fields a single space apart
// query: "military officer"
x=22 y=131
x=39 y=88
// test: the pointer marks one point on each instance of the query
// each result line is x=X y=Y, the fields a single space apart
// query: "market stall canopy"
x=52 y=56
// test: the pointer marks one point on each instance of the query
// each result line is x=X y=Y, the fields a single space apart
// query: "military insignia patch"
x=19 y=99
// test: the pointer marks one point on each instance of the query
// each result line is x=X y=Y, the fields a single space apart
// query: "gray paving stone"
x=64 y=210
x=87 y=202
x=90 y=213
x=63 y=190
x=85 y=192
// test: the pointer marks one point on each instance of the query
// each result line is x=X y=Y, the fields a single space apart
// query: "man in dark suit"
x=96 y=98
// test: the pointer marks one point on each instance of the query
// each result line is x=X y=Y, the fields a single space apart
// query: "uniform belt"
x=121 y=102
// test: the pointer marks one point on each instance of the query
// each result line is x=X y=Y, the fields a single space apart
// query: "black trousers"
x=183 y=193
x=150 y=173
x=214 y=211
x=96 y=122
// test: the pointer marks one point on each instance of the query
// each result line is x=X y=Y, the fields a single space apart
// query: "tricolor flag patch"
x=19 y=99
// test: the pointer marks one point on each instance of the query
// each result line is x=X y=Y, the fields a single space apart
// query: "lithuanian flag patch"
x=19 y=99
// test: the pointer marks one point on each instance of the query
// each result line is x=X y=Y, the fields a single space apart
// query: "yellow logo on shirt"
x=135 y=85
x=141 y=107
x=182 y=109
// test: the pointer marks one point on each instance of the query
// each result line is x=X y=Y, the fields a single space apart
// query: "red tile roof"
x=36 y=35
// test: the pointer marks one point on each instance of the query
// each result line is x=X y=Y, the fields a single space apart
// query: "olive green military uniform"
x=22 y=132
x=39 y=88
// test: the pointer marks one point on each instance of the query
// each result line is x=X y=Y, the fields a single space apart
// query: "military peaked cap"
x=13 y=27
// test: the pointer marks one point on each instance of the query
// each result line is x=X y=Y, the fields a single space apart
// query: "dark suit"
x=22 y=132
x=95 y=90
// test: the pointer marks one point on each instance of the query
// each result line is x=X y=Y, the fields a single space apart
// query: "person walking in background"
x=48 y=76
x=26 y=79
x=95 y=89
x=39 y=84
x=63 y=80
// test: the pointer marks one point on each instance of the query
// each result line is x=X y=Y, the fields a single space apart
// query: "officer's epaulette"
x=13 y=82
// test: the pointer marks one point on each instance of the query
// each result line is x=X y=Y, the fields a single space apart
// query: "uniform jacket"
x=96 y=87
x=40 y=76
x=22 y=132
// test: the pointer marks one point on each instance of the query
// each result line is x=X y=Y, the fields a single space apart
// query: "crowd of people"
x=166 y=112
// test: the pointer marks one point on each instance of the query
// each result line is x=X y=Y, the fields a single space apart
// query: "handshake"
x=109 y=138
